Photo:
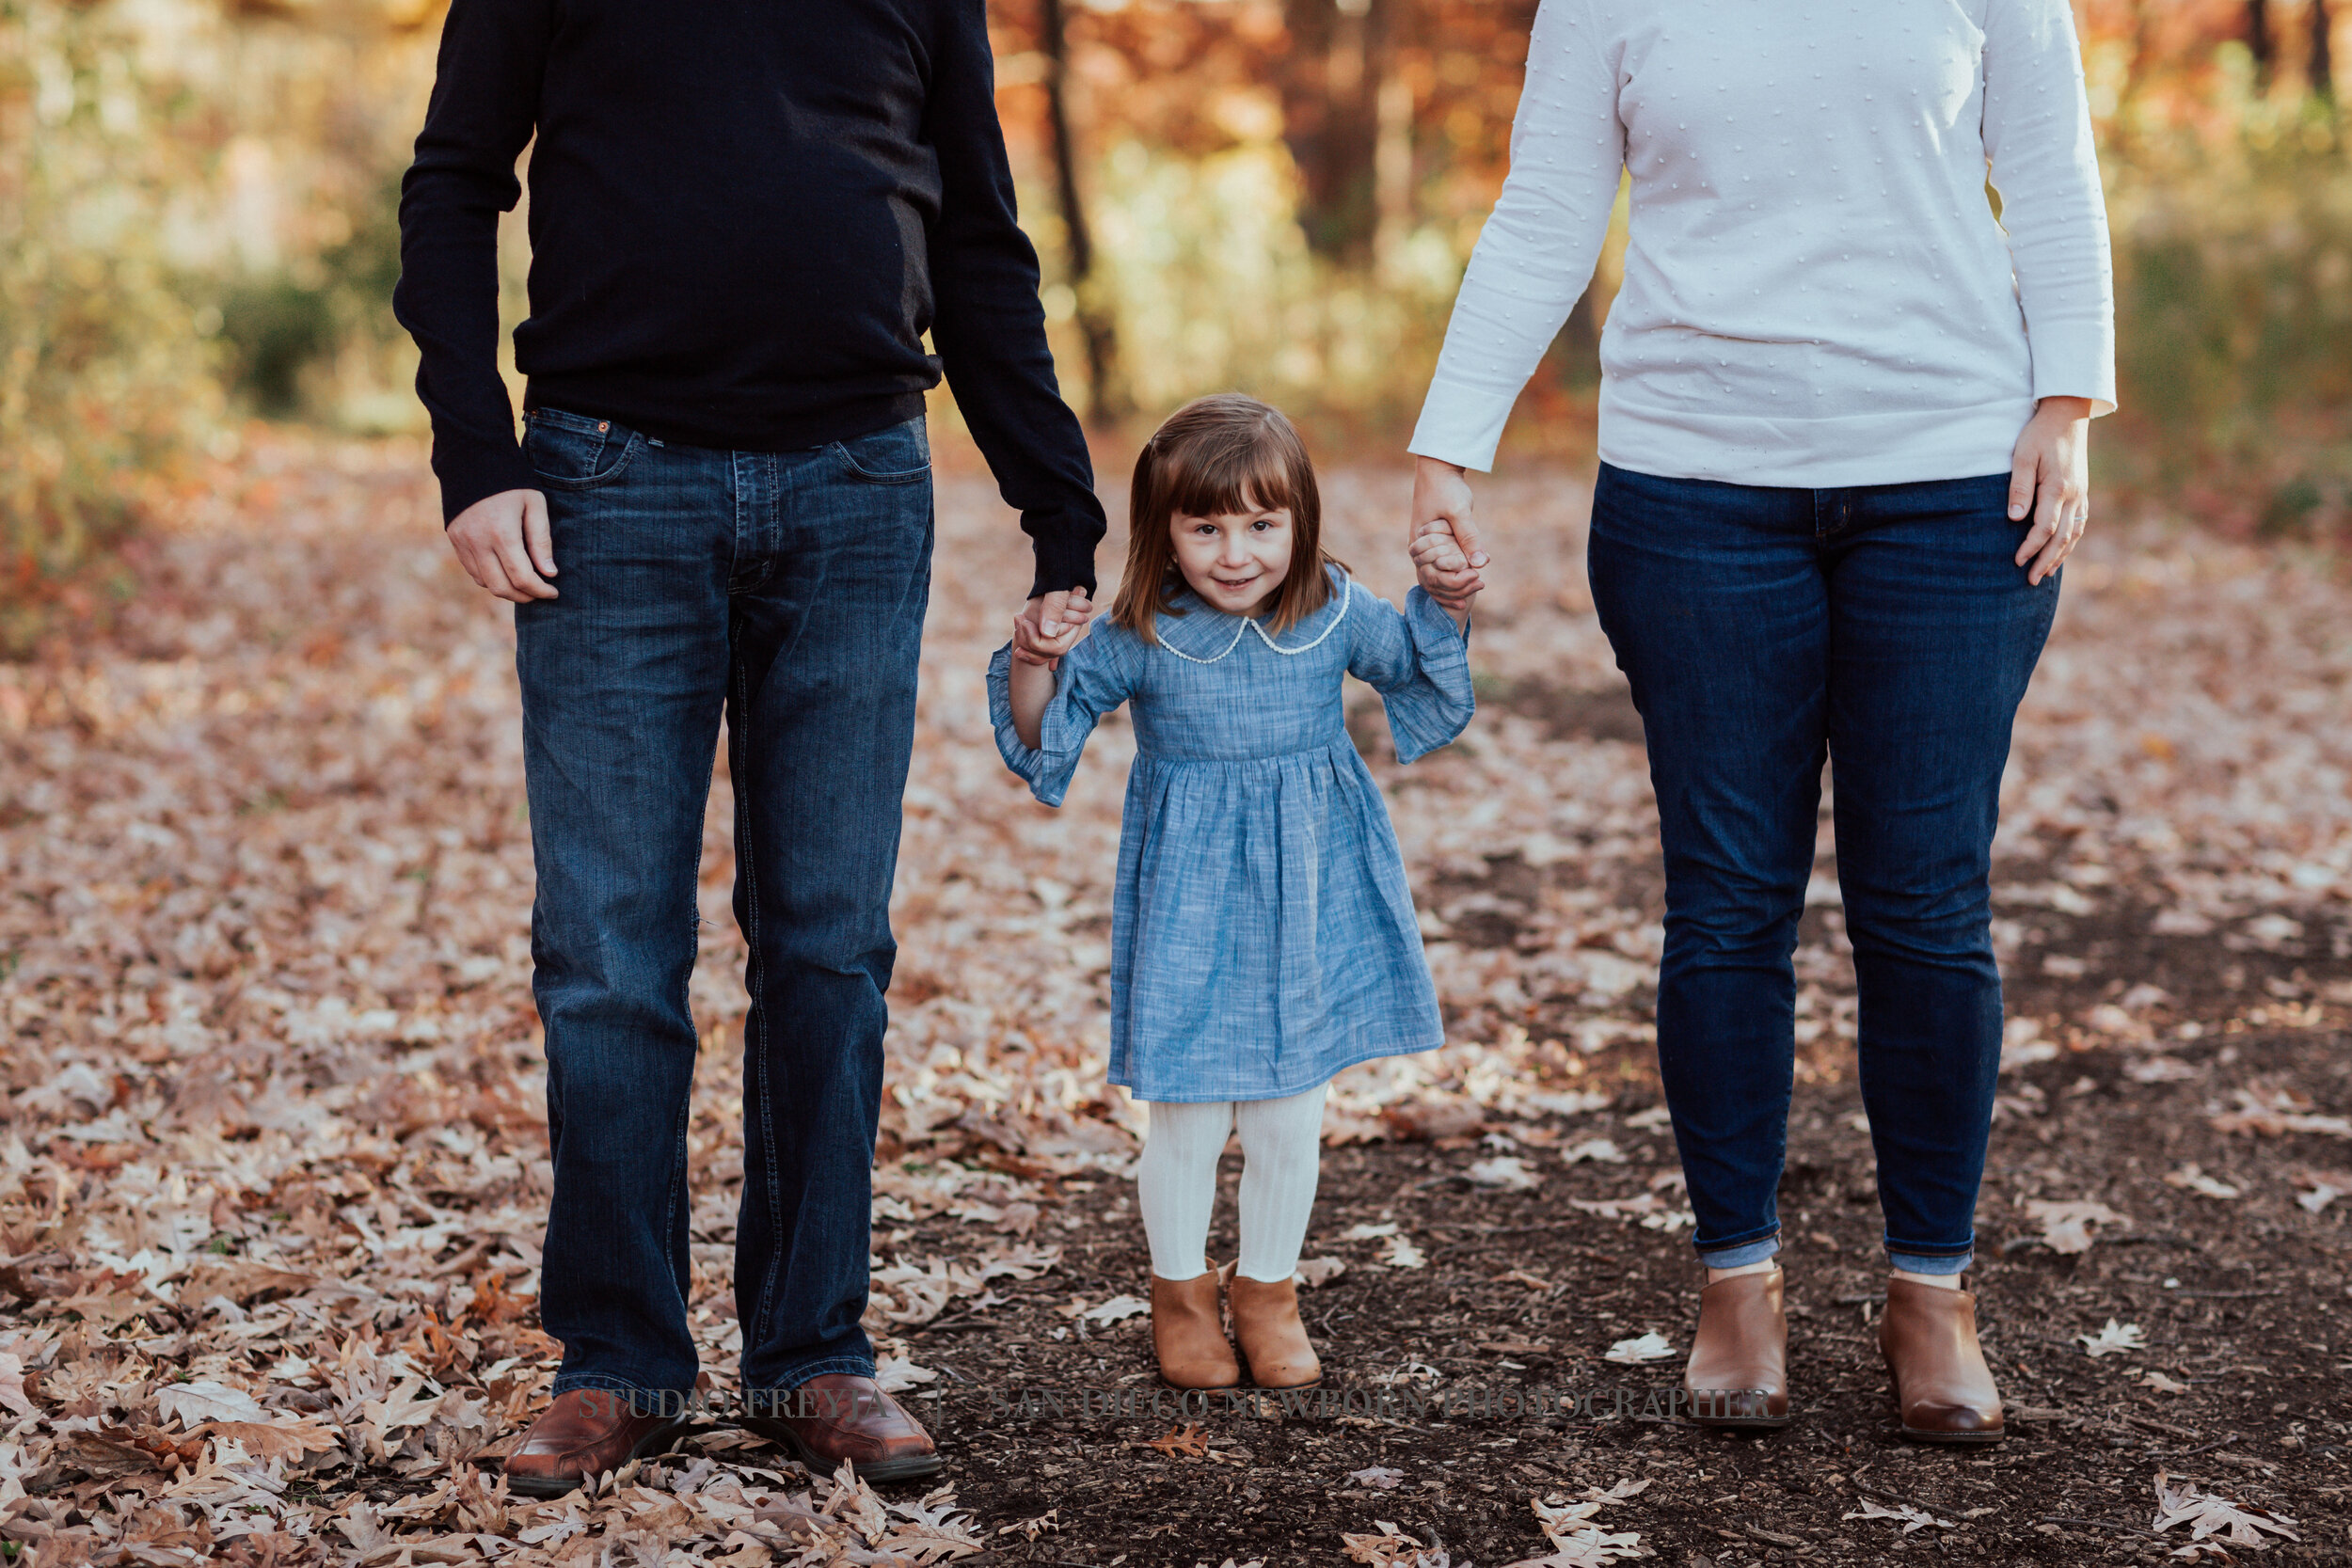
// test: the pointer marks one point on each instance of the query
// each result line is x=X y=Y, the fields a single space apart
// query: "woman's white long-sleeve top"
x=1817 y=294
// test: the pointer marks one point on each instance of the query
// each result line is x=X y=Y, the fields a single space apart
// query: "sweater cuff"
x=1460 y=425
x=469 y=469
x=1065 y=555
x=2074 y=360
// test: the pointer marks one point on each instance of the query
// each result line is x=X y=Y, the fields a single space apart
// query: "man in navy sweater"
x=745 y=220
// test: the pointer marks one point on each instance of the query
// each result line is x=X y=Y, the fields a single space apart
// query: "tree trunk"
x=2321 y=65
x=2259 y=42
x=1333 y=86
x=1106 y=397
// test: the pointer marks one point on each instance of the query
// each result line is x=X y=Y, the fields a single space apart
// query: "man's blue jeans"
x=786 y=590
x=1888 y=629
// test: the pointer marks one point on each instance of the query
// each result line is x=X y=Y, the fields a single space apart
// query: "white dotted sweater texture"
x=1817 y=293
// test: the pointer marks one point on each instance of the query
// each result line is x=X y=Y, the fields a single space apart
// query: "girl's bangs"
x=1243 y=477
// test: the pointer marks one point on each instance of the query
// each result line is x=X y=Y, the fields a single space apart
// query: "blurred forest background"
x=197 y=230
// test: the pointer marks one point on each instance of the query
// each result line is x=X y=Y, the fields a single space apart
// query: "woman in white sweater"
x=1843 y=425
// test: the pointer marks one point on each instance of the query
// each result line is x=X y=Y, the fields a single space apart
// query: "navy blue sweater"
x=743 y=219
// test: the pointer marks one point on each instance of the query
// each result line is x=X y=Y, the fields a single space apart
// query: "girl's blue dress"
x=1263 y=935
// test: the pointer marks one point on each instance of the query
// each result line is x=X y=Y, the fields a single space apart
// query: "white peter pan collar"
x=1203 y=635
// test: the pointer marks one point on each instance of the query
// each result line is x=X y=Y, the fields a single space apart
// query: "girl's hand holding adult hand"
x=2050 y=479
x=1446 y=575
x=1065 y=614
x=1442 y=504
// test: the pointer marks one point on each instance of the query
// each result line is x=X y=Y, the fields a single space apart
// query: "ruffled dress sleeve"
x=1091 y=681
x=1420 y=664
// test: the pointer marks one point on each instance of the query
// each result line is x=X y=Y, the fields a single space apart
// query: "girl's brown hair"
x=1216 y=455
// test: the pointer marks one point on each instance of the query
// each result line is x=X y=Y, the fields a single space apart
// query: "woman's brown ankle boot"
x=1942 y=1385
x=1265 y=1321
x=1188 y=1333
x=1737 y=1374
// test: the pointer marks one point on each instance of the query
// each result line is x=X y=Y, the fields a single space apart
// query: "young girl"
x=1263 y=936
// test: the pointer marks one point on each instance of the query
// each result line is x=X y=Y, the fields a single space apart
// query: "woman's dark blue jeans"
x=786 y=590
x=1889 y=629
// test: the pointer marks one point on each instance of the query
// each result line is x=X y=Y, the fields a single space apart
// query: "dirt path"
x=272 y=1170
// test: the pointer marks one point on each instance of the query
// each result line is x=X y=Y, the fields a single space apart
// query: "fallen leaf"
x=1912 y=1518
x=896 y=1374
x=2114 y=1339
x=1031 y=1528
x=1377 y=1477
x=288 y=1440
x=13 y=1394
x=1642 y=1348
x=1312 y=1272
x=2205 y=1514
x=194 y=1404
x=2273 y=1110
x=1576 y=1540
x=2189 y=1178
x=1184 y=1442
x=1117 y=1310
x=1504 y=1170
x=2068 y=1226
x=1391 y=1549
x=1399 y=1253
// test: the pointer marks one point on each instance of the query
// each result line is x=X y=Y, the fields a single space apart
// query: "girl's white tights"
x=1282 y=1151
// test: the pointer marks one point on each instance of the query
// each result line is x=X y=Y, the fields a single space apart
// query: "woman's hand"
x=2050 y=478
x=1442 y=504
x=1445 y=573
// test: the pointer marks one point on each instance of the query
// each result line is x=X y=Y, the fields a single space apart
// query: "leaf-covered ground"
x=272 y=1167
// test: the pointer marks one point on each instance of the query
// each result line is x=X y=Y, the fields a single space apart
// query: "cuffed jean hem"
x=1741 y=1253
x=855 y=1365
x=1911 y=1262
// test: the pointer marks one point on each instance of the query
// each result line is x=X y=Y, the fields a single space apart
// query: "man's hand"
x=504 y=543
x=1050 y=627
x=1442 y=504
x=2050 y=476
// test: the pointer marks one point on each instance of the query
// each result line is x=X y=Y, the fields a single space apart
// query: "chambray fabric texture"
x=1263 y=935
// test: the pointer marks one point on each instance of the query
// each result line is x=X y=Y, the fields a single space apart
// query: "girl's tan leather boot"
x=1188 y=1333
x=1272 y=1339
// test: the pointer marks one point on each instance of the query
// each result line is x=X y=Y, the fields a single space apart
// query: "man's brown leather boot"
x=1737 y=1374
x=1272 y=1339
x=584 y=1432
x=1945 y=1393
x=1188 y=1333
x=838 y=1415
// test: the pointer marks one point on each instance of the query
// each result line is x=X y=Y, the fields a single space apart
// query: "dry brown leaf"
x=272 y=1439
x=2071 y=1226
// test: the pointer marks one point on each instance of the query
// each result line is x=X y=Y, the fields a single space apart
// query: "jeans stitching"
x=755 y=1063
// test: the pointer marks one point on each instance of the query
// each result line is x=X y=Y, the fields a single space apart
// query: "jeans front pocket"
x=572 y=452
x=900 y=454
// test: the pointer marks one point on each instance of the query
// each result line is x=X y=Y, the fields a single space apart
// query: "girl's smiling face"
x=1236 y=560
